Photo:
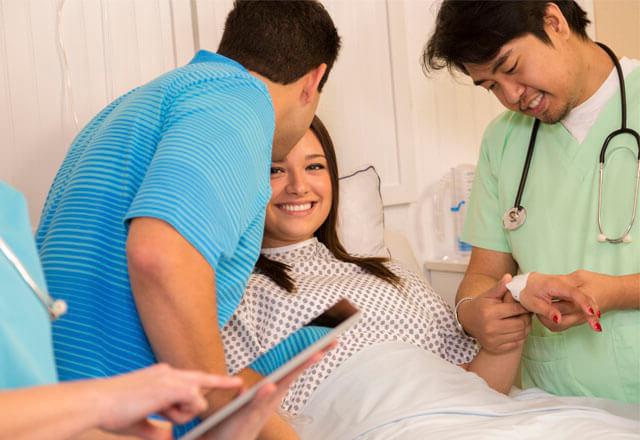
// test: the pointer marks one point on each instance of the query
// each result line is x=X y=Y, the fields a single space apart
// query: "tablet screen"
x=339 y=317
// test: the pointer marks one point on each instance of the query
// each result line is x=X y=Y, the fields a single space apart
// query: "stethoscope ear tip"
x=603 y=238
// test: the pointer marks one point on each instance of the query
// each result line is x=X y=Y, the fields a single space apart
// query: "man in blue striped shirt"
x=155 y=218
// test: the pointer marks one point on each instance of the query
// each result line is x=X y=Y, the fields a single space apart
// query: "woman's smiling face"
x=301 y=194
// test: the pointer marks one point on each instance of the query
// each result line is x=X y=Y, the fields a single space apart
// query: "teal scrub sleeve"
x=26 y=352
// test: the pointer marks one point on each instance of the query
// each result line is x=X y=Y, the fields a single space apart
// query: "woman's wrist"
x=99 y=392
x=629 y=292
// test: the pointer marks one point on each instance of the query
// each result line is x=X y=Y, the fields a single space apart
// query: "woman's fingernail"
x=598 y=327
x=598 y=314
x=591 y=311
x=556 y=319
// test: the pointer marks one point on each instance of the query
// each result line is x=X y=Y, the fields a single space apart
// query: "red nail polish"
x=591 y=311
x=599 y=313
x=555 y=319
x=598 y=327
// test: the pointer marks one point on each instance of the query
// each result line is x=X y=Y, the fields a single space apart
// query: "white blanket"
x=396 y=391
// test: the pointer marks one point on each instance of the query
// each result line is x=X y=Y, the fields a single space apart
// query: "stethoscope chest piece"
x=514 y=218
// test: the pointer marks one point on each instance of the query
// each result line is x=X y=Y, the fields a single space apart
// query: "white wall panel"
x=182 y=31
x=6 y=120
x=22 y=103
x=112 y=46
x=211 y=16
x=364 y=103
x=448 y=116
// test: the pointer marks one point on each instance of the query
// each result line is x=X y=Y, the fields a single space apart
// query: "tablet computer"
x=339 y=317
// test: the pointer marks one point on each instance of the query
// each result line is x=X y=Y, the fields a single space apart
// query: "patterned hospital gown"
x=267 y=314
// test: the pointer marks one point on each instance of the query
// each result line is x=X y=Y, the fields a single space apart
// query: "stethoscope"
x=515 y=217
x=55 y=308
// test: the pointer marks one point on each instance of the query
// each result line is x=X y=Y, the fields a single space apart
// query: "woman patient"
x=405 y=365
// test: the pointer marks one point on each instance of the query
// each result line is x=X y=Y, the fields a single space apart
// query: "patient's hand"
x=560 y=301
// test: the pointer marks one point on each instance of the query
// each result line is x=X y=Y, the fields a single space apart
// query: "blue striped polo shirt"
x=191 y=148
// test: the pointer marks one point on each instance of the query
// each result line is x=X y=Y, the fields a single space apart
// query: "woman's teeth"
x=300 y=207
x=536 y=102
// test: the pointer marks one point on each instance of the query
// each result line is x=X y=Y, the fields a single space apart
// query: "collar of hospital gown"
x=26 y=354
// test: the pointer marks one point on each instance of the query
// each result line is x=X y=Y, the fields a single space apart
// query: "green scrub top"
x=560 y=236
x=26 y=352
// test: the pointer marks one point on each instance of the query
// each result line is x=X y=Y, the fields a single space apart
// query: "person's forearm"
x=175 y=293
x=629 y=297
x=485 y=269
x=180 y=318
x=48 y=412
x=276 y=428
x=498 y=370
x=473 y=284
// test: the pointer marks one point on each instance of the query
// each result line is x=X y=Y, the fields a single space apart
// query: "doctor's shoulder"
x=10 y=196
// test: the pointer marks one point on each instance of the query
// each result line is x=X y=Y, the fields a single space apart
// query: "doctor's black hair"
x=327 y=233
x=281 y=40
x=474 y=31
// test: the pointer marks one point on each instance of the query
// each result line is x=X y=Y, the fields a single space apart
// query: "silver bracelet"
x=455 y=313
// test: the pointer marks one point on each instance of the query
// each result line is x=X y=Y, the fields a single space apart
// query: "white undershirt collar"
x=580 y=120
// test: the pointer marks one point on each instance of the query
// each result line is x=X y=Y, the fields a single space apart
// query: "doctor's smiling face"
x=301 y=194
x=535 y=56
x=540 y=79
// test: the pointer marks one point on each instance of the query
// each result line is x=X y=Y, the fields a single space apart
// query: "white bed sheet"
x=395 y=391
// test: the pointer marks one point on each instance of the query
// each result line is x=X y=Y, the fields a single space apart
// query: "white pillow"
x=360 y=216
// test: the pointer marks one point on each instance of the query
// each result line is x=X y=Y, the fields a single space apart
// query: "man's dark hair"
x=280 y=40
x=474 y=31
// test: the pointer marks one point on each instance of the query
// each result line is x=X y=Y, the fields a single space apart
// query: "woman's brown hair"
x=327 y=233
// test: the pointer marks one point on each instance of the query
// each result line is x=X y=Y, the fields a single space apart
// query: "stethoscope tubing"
x=527 y=164
x=618 y=132
x=621 y=238
x=55 y=308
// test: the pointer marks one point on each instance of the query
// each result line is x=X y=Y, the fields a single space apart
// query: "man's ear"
x=554 y=20
x=310 y=82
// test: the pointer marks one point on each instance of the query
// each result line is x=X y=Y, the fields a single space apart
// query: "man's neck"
x=279 y=95
x=596 y=67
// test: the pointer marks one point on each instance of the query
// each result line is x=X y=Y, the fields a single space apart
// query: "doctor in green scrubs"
x=537 y=59
x=32 y=405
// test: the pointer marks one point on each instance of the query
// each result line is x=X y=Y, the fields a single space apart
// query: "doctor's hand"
x=560 y=301
x=124 y=402
x=495 y=320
